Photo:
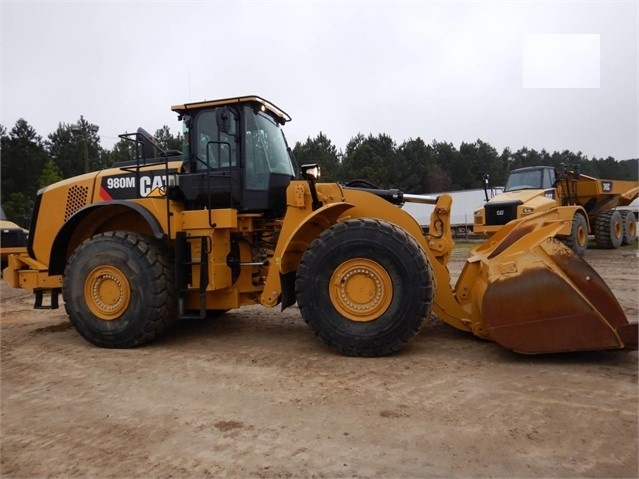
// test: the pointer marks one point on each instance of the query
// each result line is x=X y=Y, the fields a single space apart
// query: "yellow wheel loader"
x=590 y=206
x=224 y=223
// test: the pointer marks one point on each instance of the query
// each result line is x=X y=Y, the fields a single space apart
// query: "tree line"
x=28 y=162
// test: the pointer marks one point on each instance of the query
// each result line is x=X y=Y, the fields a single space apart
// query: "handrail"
x=164 y=158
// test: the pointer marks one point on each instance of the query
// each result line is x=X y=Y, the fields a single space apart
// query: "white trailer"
x=462 y=213
x=634 y=207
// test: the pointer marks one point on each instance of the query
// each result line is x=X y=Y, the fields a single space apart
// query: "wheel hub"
x=361 y=289
x=107 y=292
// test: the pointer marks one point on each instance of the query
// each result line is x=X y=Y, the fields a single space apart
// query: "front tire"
x=578 y=239
x=364 y=287
x=119 y=291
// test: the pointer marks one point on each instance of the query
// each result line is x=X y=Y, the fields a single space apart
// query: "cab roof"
x=254 y=99
x=531 y=168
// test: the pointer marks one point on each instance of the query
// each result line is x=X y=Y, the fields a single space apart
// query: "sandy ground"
x=255 y=394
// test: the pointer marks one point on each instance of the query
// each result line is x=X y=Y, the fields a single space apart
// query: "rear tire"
x=119 y=290
x=629 y=227
x=609 y=229
x=364 y=287
x=578 y=239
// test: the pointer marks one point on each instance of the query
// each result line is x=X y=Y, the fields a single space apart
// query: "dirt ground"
x=255 y=394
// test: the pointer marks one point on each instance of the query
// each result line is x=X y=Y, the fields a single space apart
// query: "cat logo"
x=149 y=184
x=500 y=212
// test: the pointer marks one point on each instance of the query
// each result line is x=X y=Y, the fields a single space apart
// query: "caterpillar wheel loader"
x=589 y=204
x=224 y=223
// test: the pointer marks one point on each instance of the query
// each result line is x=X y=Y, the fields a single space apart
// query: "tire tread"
x=159 y=275
x=605 y=229
x=390 y=340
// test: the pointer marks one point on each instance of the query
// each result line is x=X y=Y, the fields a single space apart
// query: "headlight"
x=528 y=211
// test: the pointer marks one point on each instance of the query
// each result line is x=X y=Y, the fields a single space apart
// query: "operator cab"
x=235 y=155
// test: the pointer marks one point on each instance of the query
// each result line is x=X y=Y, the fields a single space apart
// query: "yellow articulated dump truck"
x=13 y=238
x=224 y=223
x=589 y=205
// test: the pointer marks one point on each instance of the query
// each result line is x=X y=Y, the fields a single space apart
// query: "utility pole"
x=82 y=130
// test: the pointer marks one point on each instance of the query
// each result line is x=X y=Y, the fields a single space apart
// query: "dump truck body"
x=225 y=224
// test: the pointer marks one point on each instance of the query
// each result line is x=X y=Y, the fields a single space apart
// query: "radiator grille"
x=501 y=213
x=11 y=237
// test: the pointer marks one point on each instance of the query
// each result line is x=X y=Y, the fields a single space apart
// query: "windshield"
x=266 y=150
x=522 y=180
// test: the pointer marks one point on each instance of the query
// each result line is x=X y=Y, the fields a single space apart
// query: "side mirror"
x=223 y=119
x=486 y=180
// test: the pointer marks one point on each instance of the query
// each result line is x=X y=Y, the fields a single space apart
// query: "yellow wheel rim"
x=107 y=292
x=582 y=236
x=632 y=229
x=361 y=290
x=618 y=229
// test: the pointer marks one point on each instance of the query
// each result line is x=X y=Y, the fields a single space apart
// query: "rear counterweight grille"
x=76 y=199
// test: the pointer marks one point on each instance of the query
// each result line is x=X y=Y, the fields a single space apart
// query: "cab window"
x=214 y=149
x=549 y=178
x=266 y=150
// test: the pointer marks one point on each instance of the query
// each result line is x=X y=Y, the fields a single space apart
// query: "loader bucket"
x=540 y=297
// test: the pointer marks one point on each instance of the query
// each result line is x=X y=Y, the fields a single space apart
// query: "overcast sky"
x=553 y=75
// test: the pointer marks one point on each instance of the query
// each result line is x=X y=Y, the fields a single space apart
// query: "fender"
x=59 y=253
x=306 y=231
x=298 y=230
x=564 y=214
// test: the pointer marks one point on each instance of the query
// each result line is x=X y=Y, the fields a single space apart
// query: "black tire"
x=629 y=227
x=609 y=229
x=578 y=239
x=119 y=290
x=364 y=287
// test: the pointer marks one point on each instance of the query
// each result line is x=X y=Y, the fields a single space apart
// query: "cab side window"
x=549 y=179
x=214 y=149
